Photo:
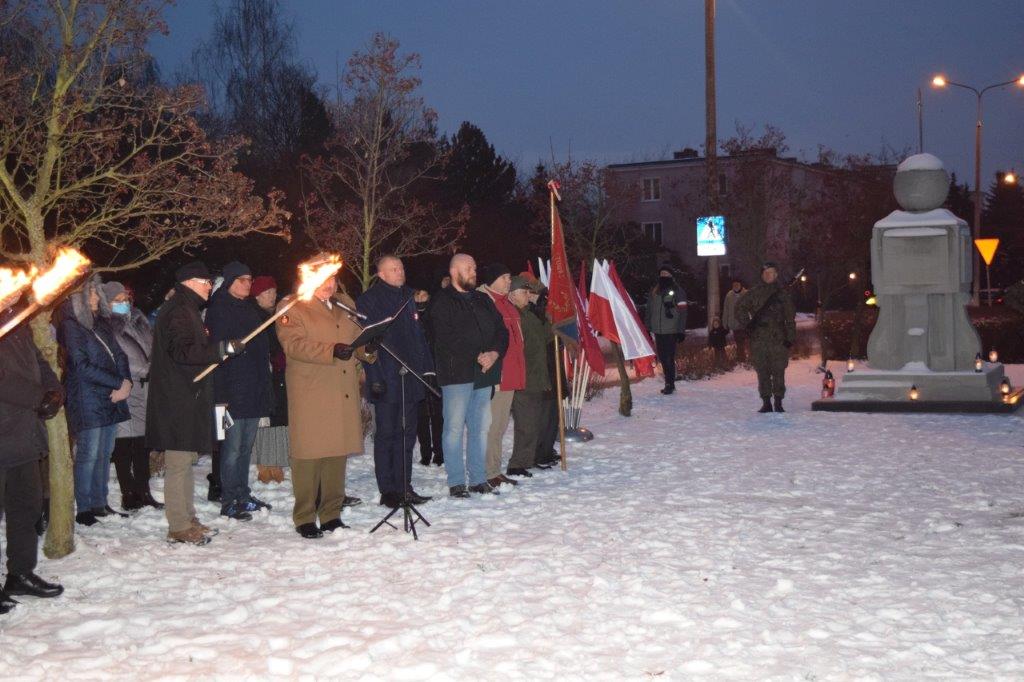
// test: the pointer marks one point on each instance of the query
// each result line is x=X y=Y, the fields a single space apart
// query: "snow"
x=923 y=161
x=694 y=540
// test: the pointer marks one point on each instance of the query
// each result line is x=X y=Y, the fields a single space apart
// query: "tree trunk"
x=60 y=534
x=625 y=392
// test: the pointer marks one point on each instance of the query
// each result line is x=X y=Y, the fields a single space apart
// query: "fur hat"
x=489 y=273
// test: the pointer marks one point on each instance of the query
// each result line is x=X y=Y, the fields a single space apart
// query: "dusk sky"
x=622 y=81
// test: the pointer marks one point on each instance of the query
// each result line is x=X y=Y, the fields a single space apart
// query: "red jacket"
x=513 y=364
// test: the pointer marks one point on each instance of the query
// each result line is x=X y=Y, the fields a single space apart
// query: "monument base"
x=870 y=390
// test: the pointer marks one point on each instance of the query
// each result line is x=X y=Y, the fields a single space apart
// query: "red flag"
x=599 y=310
x=560 y=304
x=589 y=346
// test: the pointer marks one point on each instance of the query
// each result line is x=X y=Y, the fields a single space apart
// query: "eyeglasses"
x=202 y=280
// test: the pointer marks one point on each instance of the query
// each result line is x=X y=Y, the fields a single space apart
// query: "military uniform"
x=769 y=315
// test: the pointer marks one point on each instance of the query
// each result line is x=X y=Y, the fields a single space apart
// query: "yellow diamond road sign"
x=987 y=249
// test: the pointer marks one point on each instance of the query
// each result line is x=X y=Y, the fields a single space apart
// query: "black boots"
x=213 y=494
x=778 y=404
x=766 y=405
x=32 y=585
x=309 y=531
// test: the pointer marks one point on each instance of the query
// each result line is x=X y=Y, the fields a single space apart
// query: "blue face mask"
x=121 y=308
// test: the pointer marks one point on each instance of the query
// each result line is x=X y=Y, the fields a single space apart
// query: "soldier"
x=769 y=316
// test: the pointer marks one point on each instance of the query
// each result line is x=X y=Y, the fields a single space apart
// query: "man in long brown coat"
x=324 y=423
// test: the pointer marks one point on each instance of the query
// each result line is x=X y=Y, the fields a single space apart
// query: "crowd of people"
x=451 y=370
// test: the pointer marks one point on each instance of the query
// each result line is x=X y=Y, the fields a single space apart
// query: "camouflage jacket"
x=768 y=313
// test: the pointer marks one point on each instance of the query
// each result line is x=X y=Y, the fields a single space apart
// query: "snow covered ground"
x=695 y=540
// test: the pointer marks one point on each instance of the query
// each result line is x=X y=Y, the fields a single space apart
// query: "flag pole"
x=553 y=191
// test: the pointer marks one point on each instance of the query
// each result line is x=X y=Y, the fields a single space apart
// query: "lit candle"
x=913 y=393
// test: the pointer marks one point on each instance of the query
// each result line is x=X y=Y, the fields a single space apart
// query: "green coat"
x=768 y=313
x=537 y=337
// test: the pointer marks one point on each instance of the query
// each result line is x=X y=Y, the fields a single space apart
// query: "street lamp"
x=1009 y=178
x=940 y=81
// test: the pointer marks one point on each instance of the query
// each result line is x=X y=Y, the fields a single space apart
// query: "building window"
x=723 y=185
x=652 y=189
x=653 y=232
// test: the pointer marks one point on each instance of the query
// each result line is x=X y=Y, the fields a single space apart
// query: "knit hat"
x=261 y=284
x=113 y=289
x=233 y=271
x=489 y=273
x=195 y=270
x=520 y=282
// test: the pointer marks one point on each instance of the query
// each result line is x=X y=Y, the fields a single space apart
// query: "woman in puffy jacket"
x=134 y=334
x=98 y=382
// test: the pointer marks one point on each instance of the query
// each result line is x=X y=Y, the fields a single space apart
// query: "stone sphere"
x=921 y=183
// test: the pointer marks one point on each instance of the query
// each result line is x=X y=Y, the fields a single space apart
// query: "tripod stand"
x=410 y=514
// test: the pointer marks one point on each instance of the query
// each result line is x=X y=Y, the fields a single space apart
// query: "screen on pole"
x=711 y=235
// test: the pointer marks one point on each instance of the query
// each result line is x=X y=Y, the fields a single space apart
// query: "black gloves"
x=377 y=390
x=232 y=348
x=50 y=405
x=343 y=351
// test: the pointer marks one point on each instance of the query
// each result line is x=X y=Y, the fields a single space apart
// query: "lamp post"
x=941 y=82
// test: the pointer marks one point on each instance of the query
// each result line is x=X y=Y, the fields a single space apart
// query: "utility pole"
x=711 y=146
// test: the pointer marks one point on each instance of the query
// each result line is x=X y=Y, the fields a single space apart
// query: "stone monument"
x=923 y=354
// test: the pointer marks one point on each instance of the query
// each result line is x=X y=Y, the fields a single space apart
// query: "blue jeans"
x=235 y=457
x=93 y=448
x=465 y=408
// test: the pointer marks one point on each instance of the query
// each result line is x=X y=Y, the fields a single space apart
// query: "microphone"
x=350 y=311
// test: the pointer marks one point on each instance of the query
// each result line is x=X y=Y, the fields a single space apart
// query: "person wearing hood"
x=134 y=335
x=495 y=282
x=29 y=395
x=98 y=381
x=666 y=319
x=395 y=399
x=242 y=383
x=179 y=411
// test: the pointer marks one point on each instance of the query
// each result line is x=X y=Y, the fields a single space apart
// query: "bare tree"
x=371 y=191
x=94 y=154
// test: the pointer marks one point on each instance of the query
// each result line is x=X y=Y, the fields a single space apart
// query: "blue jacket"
x=244 y=381
x=95 y=366
x=405 y=337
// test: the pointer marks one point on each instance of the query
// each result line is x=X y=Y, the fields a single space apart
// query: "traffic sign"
x=987 y=249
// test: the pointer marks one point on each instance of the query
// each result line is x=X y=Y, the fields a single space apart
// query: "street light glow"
x=940 y=81
x=853 y=275
x=803 y=278
x=1020 y=81
x=1010 y=178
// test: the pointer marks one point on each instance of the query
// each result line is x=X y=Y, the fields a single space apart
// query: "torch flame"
x=67 y=267
x=12 y=282
x=313 y=274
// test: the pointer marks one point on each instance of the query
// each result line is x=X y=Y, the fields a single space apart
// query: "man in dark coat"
x=666 y=319
x=29 y=394
x=395 y=400
x=470 y=339
x=179 y=414
x=768 y=313
x=243 y=383
x=528 y=404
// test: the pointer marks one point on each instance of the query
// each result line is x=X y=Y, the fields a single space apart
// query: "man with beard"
x=470 y=339
x=666 y=319
x=395 y=398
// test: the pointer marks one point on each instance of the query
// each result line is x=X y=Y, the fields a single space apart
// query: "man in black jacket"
x=179 y=414
x=243 y=383
x=470 y=339
x=395 y=398
x=29 y=394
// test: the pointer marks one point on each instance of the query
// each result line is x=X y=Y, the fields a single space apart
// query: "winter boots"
x=778 y=404
x=766 y=405
x=193 y=535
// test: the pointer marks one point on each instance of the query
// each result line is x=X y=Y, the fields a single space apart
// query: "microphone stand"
x=410 y=514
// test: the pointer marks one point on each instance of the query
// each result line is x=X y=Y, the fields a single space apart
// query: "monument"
x=924 y=355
